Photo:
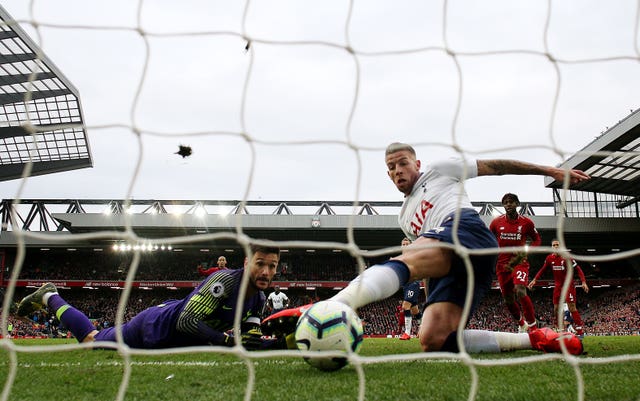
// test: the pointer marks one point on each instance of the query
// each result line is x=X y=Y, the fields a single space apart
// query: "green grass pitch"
x=82 y=374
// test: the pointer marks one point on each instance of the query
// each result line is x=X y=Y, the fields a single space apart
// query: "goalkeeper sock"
x=75 y=320
x=376 y=283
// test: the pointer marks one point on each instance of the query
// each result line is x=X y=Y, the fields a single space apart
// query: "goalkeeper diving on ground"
x=204 y=317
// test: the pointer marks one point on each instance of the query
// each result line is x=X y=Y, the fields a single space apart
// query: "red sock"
x=514 y=309
x=527 y=306
x=577 y=319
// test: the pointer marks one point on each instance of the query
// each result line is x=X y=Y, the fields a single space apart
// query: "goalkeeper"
x=204 y=317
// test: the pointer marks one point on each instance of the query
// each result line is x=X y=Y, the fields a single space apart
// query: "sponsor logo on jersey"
x=419 y=217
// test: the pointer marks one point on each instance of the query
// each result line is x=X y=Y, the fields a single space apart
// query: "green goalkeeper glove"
x=282 y=342
x=228 y=340
x=290 y=340
x=252 y=339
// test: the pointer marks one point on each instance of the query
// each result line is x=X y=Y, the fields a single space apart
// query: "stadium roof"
x=612 y=160
x=40 y=115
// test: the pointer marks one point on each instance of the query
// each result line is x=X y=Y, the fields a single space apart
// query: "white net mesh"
x=305 y=95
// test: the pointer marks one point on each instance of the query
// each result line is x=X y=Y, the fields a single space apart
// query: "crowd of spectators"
x=112 y=265
x=607 y=311
x=298 y=267
x=610 y=311
x=86 y=264
x=109 y=265
x=382 y=318
x=25 y=328
x=613 y=311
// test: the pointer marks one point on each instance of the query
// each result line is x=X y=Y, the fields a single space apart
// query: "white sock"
x=407 y=324
x=376 y=283
x=45 y=297
x=479 y=341
x=512 y=341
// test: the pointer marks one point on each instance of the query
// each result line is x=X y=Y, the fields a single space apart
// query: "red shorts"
x=509 y=279
x=571 y=294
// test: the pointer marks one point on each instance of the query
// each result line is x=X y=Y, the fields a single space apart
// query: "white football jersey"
x=278 y=300
x=438 y=192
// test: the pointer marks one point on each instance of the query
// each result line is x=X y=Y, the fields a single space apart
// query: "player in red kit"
x=558 y=264
x=400 y=317
x=222 y=264
x=512 y=269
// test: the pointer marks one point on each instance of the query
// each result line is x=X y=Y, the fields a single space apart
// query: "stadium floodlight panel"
x=40 y=114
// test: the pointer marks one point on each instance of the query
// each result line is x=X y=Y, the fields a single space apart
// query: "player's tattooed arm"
x=516 y=167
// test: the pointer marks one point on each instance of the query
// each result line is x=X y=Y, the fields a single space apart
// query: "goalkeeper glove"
x=252 y=339
x=228 y=340
x=282 y=342
x=290 y=340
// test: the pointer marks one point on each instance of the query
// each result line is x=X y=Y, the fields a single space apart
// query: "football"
x=329 y=326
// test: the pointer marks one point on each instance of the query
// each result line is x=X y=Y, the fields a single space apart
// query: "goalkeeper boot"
x=547 y=340
x=283 y=322
x=405 y=336
x=33 y=301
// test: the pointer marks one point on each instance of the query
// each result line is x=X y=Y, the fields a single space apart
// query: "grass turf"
x=97 y=375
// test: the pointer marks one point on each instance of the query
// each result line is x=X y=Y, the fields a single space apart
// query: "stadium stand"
x=601 y=218
x=607 y=311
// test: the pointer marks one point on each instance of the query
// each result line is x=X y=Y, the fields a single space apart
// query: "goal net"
x=298 y=100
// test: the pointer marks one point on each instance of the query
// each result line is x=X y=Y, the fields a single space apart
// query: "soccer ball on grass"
x=329 y=326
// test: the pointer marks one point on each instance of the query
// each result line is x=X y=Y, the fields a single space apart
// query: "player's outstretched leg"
x=408 y=320
x=283 y=322
x=47 y=295
x=577 y=320
x=34 y=302
x=547 y=340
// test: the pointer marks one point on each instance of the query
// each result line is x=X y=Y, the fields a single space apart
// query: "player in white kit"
x=436 y=215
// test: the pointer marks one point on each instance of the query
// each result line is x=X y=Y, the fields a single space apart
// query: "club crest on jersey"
x=217 y=289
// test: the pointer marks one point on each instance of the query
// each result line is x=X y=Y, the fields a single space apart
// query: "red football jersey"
x=513 y=232
x=558 y=265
